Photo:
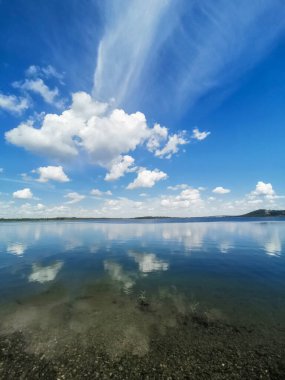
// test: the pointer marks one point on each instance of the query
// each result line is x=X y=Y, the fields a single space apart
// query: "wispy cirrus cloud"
x=130 y=38
x=177 y=53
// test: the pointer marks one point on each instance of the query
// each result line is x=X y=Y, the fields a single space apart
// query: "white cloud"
x=189 y=194
x=200 y=135
x=221 y=190
x=119 y=167
x=104 y=136
x=171 y=146
x=130 y=51
x=85 y=126
x=263 y=189
x=206 y=55
x=187 y=198
x=50 y=71
x=39 y=87
x=23 y=194
x=99 y=193
x=182 y=186
x=44 y=274
x=46 y=72
x=159 y=134
x=32 y=70
x=255 y=201
x=74 y=197
x=13 y=103
x=188 y=202
x=40 y=207
x=54 y=173
x=147 y=178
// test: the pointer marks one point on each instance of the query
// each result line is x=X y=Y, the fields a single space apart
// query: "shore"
x=197 y=348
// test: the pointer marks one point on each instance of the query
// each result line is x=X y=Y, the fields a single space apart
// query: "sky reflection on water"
x=224 y=236
x=75 y=276
x=44 y=252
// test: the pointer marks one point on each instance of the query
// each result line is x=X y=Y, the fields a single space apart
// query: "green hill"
x=265 y=213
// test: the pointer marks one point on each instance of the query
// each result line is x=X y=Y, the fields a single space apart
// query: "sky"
x=141 y=107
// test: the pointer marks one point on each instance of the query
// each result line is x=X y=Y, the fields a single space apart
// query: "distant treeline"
x=257 y=214
x=265 y=213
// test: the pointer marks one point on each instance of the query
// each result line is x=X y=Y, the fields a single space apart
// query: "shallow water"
x=120 y=299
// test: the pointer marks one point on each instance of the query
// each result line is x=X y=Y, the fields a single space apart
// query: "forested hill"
x=266 y=213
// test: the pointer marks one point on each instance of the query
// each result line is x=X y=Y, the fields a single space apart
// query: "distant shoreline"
x=266 y=214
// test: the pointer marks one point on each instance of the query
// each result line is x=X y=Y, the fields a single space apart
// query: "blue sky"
x=134 y=108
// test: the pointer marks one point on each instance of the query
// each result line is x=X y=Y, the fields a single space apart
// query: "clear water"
x=120 y=286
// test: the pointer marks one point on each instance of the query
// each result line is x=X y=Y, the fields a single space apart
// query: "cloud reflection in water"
x=16 y=248
x=148 y=262
x=44 y=274
x=118 y=274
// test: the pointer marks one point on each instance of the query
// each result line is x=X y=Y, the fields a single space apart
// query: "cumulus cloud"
x=221 y=190
x=172 y=146
x=189 y=194
x=159 y=134
x=263 y=189
x=105 y=136
x=188 y=197
x=121 y=204
x=197 y=135
x=147 y=178
x=54 y=173
x=87 y=126
x=99 y=193
x=39 y=87
x=74 y=197
x=23 y=194
x=14 y=104
x=119 y=167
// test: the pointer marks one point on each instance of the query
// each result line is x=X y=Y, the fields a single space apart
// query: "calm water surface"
x=127 y=289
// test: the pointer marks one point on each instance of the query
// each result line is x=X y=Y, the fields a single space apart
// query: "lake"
x=157 y=299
